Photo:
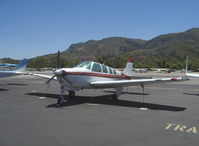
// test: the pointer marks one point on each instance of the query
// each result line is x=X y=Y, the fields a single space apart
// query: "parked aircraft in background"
x=5 y=65
x=18 y=70
x=93 y=75
x=190 y=74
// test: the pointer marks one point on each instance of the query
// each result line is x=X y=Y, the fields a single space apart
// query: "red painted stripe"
x=122 y=76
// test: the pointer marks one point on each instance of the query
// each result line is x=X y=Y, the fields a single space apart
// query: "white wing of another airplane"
x=190 y=74
x=124 y=83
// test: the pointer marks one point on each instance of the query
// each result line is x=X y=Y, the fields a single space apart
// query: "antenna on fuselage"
x=58 y=60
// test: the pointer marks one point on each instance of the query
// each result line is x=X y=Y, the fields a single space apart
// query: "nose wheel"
x=60 y=100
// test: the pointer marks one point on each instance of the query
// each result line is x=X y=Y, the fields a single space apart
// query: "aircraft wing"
x=124 y=83
x=192 y=75
x=43 y=76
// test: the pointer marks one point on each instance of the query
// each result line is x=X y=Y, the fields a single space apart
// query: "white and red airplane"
x=190 y=74
x=93 y=75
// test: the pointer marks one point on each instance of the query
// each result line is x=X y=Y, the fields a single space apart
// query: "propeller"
x=50 y=79
x=58 y=72
x=66 y=79
x=58 y=60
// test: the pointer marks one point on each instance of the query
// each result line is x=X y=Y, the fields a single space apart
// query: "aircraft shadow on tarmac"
x=131 y=93
x=191 y=94
x=16 y=84
x=1 y=89
x=105 y=99
x=11 y=84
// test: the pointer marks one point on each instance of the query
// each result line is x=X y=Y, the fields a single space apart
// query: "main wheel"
x=60 y=102
x=114 y=97
x=72 y=93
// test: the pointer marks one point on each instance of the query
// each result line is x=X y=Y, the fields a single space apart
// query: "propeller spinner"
x=58 y=72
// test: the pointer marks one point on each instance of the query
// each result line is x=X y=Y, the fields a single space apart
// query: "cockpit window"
x=84 y=64
x=96 y=67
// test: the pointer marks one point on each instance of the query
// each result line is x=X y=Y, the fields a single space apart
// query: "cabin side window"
x=104 y=68
x=110 y=70
x=96 y=67
x=114 y=72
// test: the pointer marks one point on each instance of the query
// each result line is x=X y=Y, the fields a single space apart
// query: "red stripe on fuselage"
x=122 y=76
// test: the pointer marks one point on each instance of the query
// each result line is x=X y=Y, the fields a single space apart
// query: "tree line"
x=116 y=62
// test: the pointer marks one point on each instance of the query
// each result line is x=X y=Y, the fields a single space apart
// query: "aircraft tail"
x=22 y=66
x=129 y=67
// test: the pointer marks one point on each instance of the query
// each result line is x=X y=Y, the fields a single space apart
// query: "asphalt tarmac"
x=29 y=115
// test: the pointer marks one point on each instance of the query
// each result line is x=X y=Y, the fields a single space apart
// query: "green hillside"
x=90 y=50
x=9 y=60
x=168 y=50
x=112 y=47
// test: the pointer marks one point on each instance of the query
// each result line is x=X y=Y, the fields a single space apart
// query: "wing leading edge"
x=124 y=83
x=42 y=76
x=192 y=75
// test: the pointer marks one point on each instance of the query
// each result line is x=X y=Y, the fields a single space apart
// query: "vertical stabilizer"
x=22 y=66
x=129 y=67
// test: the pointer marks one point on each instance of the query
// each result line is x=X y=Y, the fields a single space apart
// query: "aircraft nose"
x=58 y=72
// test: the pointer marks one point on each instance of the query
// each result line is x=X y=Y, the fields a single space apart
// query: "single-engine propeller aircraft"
x=18 y=70
x=190 y=74
x=93 y=75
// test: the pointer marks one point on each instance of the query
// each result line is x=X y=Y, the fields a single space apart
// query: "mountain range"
x=168 y=50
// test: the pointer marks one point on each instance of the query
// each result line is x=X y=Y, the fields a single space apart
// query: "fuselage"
x=88 y=71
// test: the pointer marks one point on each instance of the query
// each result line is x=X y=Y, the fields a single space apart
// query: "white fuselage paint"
x=81 y=78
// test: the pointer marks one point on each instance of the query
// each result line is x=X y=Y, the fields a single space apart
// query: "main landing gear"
x=143 y=102
x=119 y=91
x=71 y=93
x=114 y=97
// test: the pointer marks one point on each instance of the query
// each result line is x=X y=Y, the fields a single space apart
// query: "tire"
x=114 y=97
x=72 y=93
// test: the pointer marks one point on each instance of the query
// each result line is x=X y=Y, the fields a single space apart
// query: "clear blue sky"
x=30 y=28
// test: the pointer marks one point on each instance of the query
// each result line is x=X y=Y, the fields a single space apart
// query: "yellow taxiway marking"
x=92 y=104
x=181 y=128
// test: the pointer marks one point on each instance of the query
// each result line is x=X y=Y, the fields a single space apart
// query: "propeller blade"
x=66 y=79
x=58 y=60
x=50 y=79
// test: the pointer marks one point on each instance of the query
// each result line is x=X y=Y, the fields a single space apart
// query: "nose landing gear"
x=60 y=100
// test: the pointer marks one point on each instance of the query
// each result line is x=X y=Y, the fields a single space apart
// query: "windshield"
x=85 y=64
